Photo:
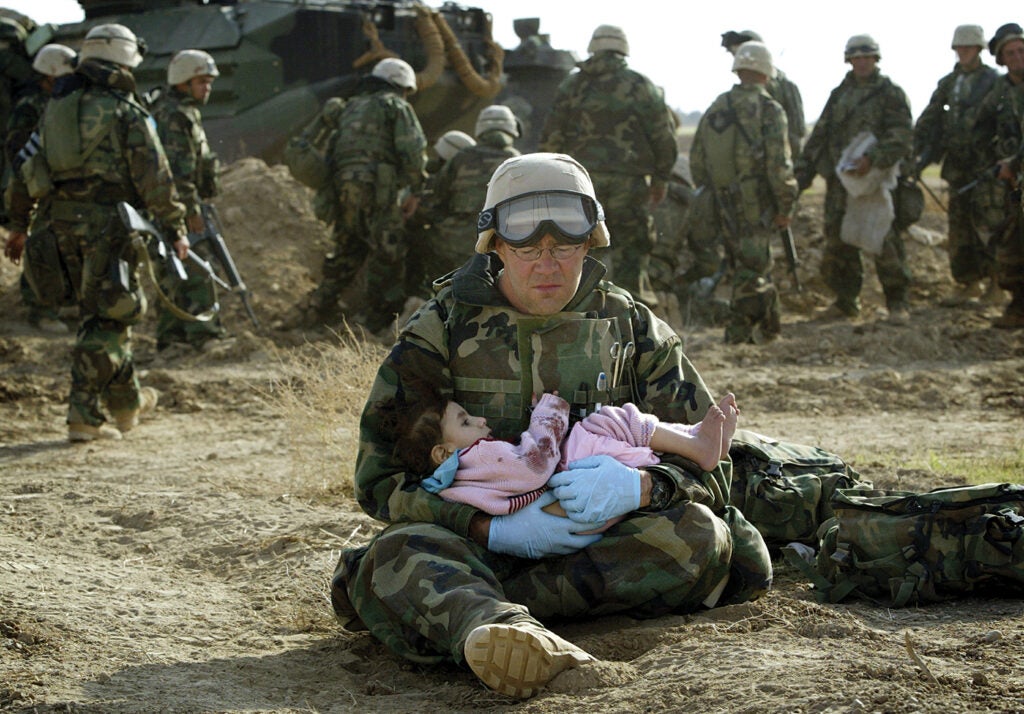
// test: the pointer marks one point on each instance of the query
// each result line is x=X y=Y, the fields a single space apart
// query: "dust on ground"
x=185 y=568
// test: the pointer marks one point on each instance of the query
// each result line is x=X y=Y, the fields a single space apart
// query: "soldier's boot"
x=129 y=419
x=843 y=309
x=518 y=659
x=994 y=295
x=964 y=294
x=899 y=313
x=1013 y=317
x=78 y=432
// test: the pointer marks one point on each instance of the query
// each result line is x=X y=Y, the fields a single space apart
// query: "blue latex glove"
x=597 y=488
x=533 y=533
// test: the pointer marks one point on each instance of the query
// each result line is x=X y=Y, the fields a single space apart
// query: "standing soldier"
x=179 y=123
x=1001 y=117
x=614 y=121
x=946 y=133
x=50 y=63
x=741 y=152
x=16 y=77
x=461 y=186
x=100 y=148
x=780 y=88
x=865 y=102
x=376 y=152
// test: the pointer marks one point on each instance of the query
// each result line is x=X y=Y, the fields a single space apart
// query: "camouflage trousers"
x=970 y=259
x=626 y=201
x=365 y=233
x=1009 y=252
x=102 y=371
x=196 y=294
x=420 y=589
x=842 y=268
x=754 y=305
x=36 y=310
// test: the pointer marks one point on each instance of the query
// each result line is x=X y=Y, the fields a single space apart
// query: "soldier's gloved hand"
x=531 y=532
x=597 y=488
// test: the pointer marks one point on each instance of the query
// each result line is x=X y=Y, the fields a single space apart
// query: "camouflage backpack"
x=785 y=489
x=898 y=547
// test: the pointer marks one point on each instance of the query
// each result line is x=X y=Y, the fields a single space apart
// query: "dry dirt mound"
x=185 y=568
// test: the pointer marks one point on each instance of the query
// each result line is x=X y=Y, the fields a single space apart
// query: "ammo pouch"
x=45 y=271
x=908 y=203
x=898 y=548
x=36 y=176
x=306 y=162
x=785 y=489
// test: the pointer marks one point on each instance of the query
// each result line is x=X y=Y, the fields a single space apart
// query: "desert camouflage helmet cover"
x=754 y=56
x=497 y=116
x=610 y=38
x=397 y=72
x=861 y=46
x=113 y=43
x=54 y=60
x=188 y=64
x=968 y=36
x=533 y=173
x=452 y=142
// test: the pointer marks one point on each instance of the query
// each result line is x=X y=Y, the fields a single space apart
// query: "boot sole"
x=514 y=662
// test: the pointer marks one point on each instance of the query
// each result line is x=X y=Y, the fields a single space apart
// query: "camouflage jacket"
x=23 y=121
x=461 y=184
x=783 y=90
x=947 y=131
x=470 y=344
x=126 y=161
x=612 y=120
x=179 y=123
x=379 y=128
x=875 y=104
x=741 y=149
x=1000 y=117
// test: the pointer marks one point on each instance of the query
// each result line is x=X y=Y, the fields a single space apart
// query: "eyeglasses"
x=533 y=253
x=527 y=217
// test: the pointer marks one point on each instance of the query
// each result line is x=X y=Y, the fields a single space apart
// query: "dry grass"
x=320 y=392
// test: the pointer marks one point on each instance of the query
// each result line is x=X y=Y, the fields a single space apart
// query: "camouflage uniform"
x=947 y=133
x=377 y=149
x=458 y=198
x=16 y=79
x=783 y=90
x=179 y=123
x=741 y=151
x=126 y=163
x=422 y=585
x=1001 y=116
x=614 y=121
x=881 y=107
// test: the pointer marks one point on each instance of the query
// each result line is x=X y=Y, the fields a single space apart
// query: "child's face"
x=459 y=429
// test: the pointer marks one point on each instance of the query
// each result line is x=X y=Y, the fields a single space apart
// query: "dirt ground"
x=184 y=569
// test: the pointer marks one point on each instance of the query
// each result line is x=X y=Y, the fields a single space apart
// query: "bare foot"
x=707 y=444
x=732 y=416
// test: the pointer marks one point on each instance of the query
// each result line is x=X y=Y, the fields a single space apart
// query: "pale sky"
x=678 y=44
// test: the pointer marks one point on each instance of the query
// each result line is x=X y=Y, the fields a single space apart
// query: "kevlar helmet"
x=188 y=64
x=1006 y=33
x=754 y=56
x=610 y=38
x=861 y=46
x=396 y=72
x=452 y=142
x=54 y=61
x=528 y=192
x=497 y=116
x=45 y=271
x=113 y=43
x=968 y=36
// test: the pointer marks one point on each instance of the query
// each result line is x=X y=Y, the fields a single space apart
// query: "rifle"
x=141 y=227
x=991 y=171
x=791 y=257
x=213 y=232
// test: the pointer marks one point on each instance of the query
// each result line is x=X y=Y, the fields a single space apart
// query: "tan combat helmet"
x=396 y=72
x=188 y=64
x=452 y=142
x=754 y=56
x=530 y=177
x=54 y=60
x=497 y=116
x=861 y=46
x=113 y=43
x=609 y=38
x=968 y=36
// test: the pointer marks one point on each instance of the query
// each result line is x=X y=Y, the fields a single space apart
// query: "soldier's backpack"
x=785 y=489
x=899 y=548
x=306 y=155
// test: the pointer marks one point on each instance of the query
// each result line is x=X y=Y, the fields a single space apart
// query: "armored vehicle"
x=281 y=59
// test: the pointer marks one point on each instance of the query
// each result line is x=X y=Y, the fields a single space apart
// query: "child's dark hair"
x=414 y=425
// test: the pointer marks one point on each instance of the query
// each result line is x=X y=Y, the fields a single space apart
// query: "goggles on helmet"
x=862 y=50
x=528 y=217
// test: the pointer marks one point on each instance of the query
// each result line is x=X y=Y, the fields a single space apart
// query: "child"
x=499 y=477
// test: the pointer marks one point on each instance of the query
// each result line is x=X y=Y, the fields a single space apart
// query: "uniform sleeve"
x=896 y=131
x=659 y=133
x=553 y=135
x=150 y=173
x=778 y=159
x=410 y=146
x=698 y=160
x=178 y=137
x=928 y=129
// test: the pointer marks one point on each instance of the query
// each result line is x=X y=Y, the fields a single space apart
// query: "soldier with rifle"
x=742 y=153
